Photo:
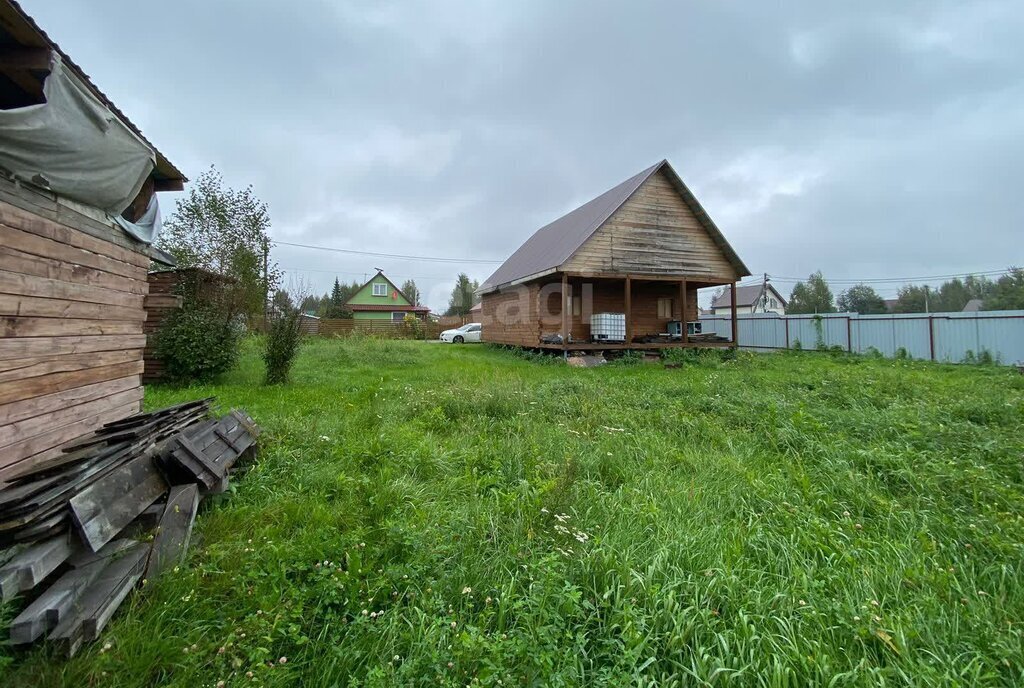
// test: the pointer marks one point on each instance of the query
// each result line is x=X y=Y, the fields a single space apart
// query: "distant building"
x=753 y=299
x=380 y=299
x=972 y=306
x=890 y=305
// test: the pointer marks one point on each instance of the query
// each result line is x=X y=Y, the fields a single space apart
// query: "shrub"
x=281 y=346
x=197 y=343
x=413 y=327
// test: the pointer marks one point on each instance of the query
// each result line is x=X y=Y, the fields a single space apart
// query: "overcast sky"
x=865 y=139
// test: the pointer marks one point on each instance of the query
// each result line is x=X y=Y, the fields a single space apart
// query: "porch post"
x=565 y=311
x=629 y=310
x=682 y=310
x=735 y=320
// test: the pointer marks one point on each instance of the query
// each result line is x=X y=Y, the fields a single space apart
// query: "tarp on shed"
x=74 y=146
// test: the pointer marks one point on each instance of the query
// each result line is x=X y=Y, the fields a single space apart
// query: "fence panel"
x=951 y=337
x=378 y=328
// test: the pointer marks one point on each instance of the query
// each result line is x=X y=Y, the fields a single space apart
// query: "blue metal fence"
x=950 y=337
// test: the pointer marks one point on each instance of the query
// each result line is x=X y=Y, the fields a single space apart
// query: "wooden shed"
x=72 y=273
x=636 y=255
x=167 y=288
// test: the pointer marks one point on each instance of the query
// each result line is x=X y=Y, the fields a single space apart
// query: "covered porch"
x=649 y=304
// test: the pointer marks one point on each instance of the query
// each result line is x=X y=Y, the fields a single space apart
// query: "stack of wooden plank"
x=77 y=521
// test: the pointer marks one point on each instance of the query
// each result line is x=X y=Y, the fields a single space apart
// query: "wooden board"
x=23 y=347
x=56 y=382
x=30 y=285
x=170 y=543
x=82 y=268
x=53 y=606
x=34 y=306
x=16 y=458
x=33 y=223
x=65 y=327
x=92 y=610
x=32 y=565
x=108 y=505
x=23 y=430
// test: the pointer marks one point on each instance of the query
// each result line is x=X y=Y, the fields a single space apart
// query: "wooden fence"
x=450 y=322
x=385 y=329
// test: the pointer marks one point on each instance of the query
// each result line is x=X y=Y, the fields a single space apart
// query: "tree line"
x=1004 y=293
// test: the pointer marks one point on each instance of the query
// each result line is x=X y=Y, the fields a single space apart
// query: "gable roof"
x=973 y=306
x=553 y=244
x=745 y=296
x=380 y=273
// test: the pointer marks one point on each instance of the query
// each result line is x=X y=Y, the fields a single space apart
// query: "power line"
x=879 y=280
x=435 y=259
x=357 y=274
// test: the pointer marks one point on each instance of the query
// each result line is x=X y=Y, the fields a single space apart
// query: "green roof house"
x=380 y=299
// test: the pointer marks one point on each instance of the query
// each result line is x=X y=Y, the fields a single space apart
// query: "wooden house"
x=167 y=290
x=76 y=189
x=380 y=299
x=638 y=252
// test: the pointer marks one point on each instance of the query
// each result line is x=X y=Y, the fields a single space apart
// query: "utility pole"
x=266 y=285
x=926 y=299
x=764 y=294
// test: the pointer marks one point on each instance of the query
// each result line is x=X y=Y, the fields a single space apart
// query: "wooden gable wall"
x=654 y=232
x=71 y=306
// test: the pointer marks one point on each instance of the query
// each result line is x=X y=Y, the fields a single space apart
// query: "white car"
x=470 y=332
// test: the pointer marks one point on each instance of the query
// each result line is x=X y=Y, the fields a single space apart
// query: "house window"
x=380 y=289
x=398 y=316
x=665 y=308
x=575 y=305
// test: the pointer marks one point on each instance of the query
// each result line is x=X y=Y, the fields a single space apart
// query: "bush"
x=413 y=327
x=281 y=346
x=197 y=343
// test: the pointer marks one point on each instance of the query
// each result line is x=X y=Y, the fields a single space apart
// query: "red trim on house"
x=385 y=307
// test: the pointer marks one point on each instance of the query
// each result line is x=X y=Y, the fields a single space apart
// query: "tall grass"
x=430 y=515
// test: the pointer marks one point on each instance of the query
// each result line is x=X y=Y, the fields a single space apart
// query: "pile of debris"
x=117 y=506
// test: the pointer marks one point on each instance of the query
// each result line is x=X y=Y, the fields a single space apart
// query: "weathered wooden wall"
x=160 y=303
x=654 y=232
x=511 y=316
x=72 y=289
x=521 y=315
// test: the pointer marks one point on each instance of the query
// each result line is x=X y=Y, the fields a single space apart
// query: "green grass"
x=439 y=515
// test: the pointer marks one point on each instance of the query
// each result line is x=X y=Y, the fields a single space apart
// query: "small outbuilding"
x=78 y=214
x=620 y=272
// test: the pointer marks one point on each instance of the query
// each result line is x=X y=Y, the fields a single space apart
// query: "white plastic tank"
x=608 y=327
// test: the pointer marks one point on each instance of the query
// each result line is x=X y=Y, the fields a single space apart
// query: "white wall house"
x=756 y=298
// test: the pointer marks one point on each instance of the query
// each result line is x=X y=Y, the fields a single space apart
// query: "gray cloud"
x=866 y=139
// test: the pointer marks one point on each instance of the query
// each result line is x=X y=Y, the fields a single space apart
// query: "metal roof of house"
x=745 y=296
x=552 y=245
x=973 y=306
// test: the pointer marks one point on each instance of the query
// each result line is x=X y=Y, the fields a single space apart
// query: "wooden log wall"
x=71 y=302
x=609 y=296
x=162 y=300
x=512 y=316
